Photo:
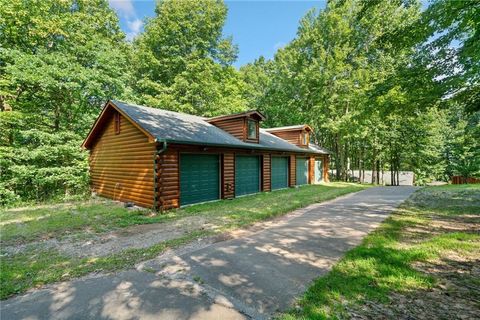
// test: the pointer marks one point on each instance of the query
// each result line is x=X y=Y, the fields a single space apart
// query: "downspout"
x=156 y=157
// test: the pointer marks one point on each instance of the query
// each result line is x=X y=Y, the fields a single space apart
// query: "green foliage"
x=59 y=62
x=463 y=143
x=42 y=166
x=367 y=76
x=182 y=62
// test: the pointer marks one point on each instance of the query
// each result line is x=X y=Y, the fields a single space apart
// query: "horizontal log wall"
x=294 y=137
x=266 y=173
x=236 y=127
x=311 y=170
x=326 y=164
x=292 y=168
x=169 y=180
x=228 y=177
x=121 y=165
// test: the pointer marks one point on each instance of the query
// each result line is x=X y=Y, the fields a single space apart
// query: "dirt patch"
x=135 y=237
x=94 y=245
x=456 y=295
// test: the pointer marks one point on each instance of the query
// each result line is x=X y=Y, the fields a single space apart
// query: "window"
x=117 y=123
x=252 y=129
x=305 y=138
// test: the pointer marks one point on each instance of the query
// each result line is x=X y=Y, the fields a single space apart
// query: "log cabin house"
x=163 y=159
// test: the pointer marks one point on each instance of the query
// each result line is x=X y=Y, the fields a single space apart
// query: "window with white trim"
x=252 y=129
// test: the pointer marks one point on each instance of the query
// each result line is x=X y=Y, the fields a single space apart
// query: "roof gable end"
x=97 y=127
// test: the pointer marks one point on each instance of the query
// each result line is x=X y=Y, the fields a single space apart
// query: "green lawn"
x=434 y=223
x=35 y=267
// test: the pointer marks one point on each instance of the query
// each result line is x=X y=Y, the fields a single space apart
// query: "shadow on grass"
x=384 y=262
x=369 y=271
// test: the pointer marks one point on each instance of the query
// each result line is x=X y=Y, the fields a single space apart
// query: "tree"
x=59 y=62
x=182 y=62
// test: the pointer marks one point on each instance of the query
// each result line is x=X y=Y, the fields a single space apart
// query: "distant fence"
x=463 y=180
x=406 y=178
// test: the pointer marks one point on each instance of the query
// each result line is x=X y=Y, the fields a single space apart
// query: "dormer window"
x=298 y=135
x=243 y=126
x=252 y=129
x=305 y=138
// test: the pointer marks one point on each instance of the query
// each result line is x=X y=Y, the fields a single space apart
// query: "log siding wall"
x=266 y=172
x=311 y=170
x=121 y=164
x=326 y=165
x=294 y=137
x=169 y=180
x=236 y=127
x=292 y=168
x=228 y=176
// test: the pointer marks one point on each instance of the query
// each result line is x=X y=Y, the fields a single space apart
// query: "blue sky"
x=257 y=27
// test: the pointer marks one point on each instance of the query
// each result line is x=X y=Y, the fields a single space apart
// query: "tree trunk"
x=374 y=160
x=392 y=176
x=378 y=171
x=360 y=162
x=337 y=158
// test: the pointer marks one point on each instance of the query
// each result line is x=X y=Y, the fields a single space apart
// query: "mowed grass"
x=384 y=262
x=34 y=267
x=23 y=225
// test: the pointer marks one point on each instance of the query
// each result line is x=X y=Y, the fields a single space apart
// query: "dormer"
x=243 y=126
x=297 y=135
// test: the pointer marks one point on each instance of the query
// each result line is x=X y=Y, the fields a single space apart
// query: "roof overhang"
x=250 y=113
x=302 y=127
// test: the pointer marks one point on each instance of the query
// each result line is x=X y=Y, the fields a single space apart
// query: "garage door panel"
x=199 y=178
x=279 y=179
x=247 y=175
x=302 y=170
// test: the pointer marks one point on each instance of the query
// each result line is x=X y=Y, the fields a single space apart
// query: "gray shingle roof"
x=318 y=149
x=176 y=127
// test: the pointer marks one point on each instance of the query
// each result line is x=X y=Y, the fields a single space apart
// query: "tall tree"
x=182 y=62
x=331 y=76
x=60 y=60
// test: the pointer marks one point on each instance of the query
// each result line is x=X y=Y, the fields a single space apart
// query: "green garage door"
x=247 y=175
x=302 y=171
x=279 y=172
x=199 y=178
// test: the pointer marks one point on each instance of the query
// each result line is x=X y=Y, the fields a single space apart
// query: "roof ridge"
x=154 y=108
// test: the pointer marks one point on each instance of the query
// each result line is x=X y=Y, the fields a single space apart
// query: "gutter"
x=156 y=157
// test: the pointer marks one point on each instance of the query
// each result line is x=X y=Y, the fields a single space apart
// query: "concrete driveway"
x=253 y=276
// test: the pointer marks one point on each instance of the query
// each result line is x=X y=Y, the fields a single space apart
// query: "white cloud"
x=134 y=27
x=124 y=8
